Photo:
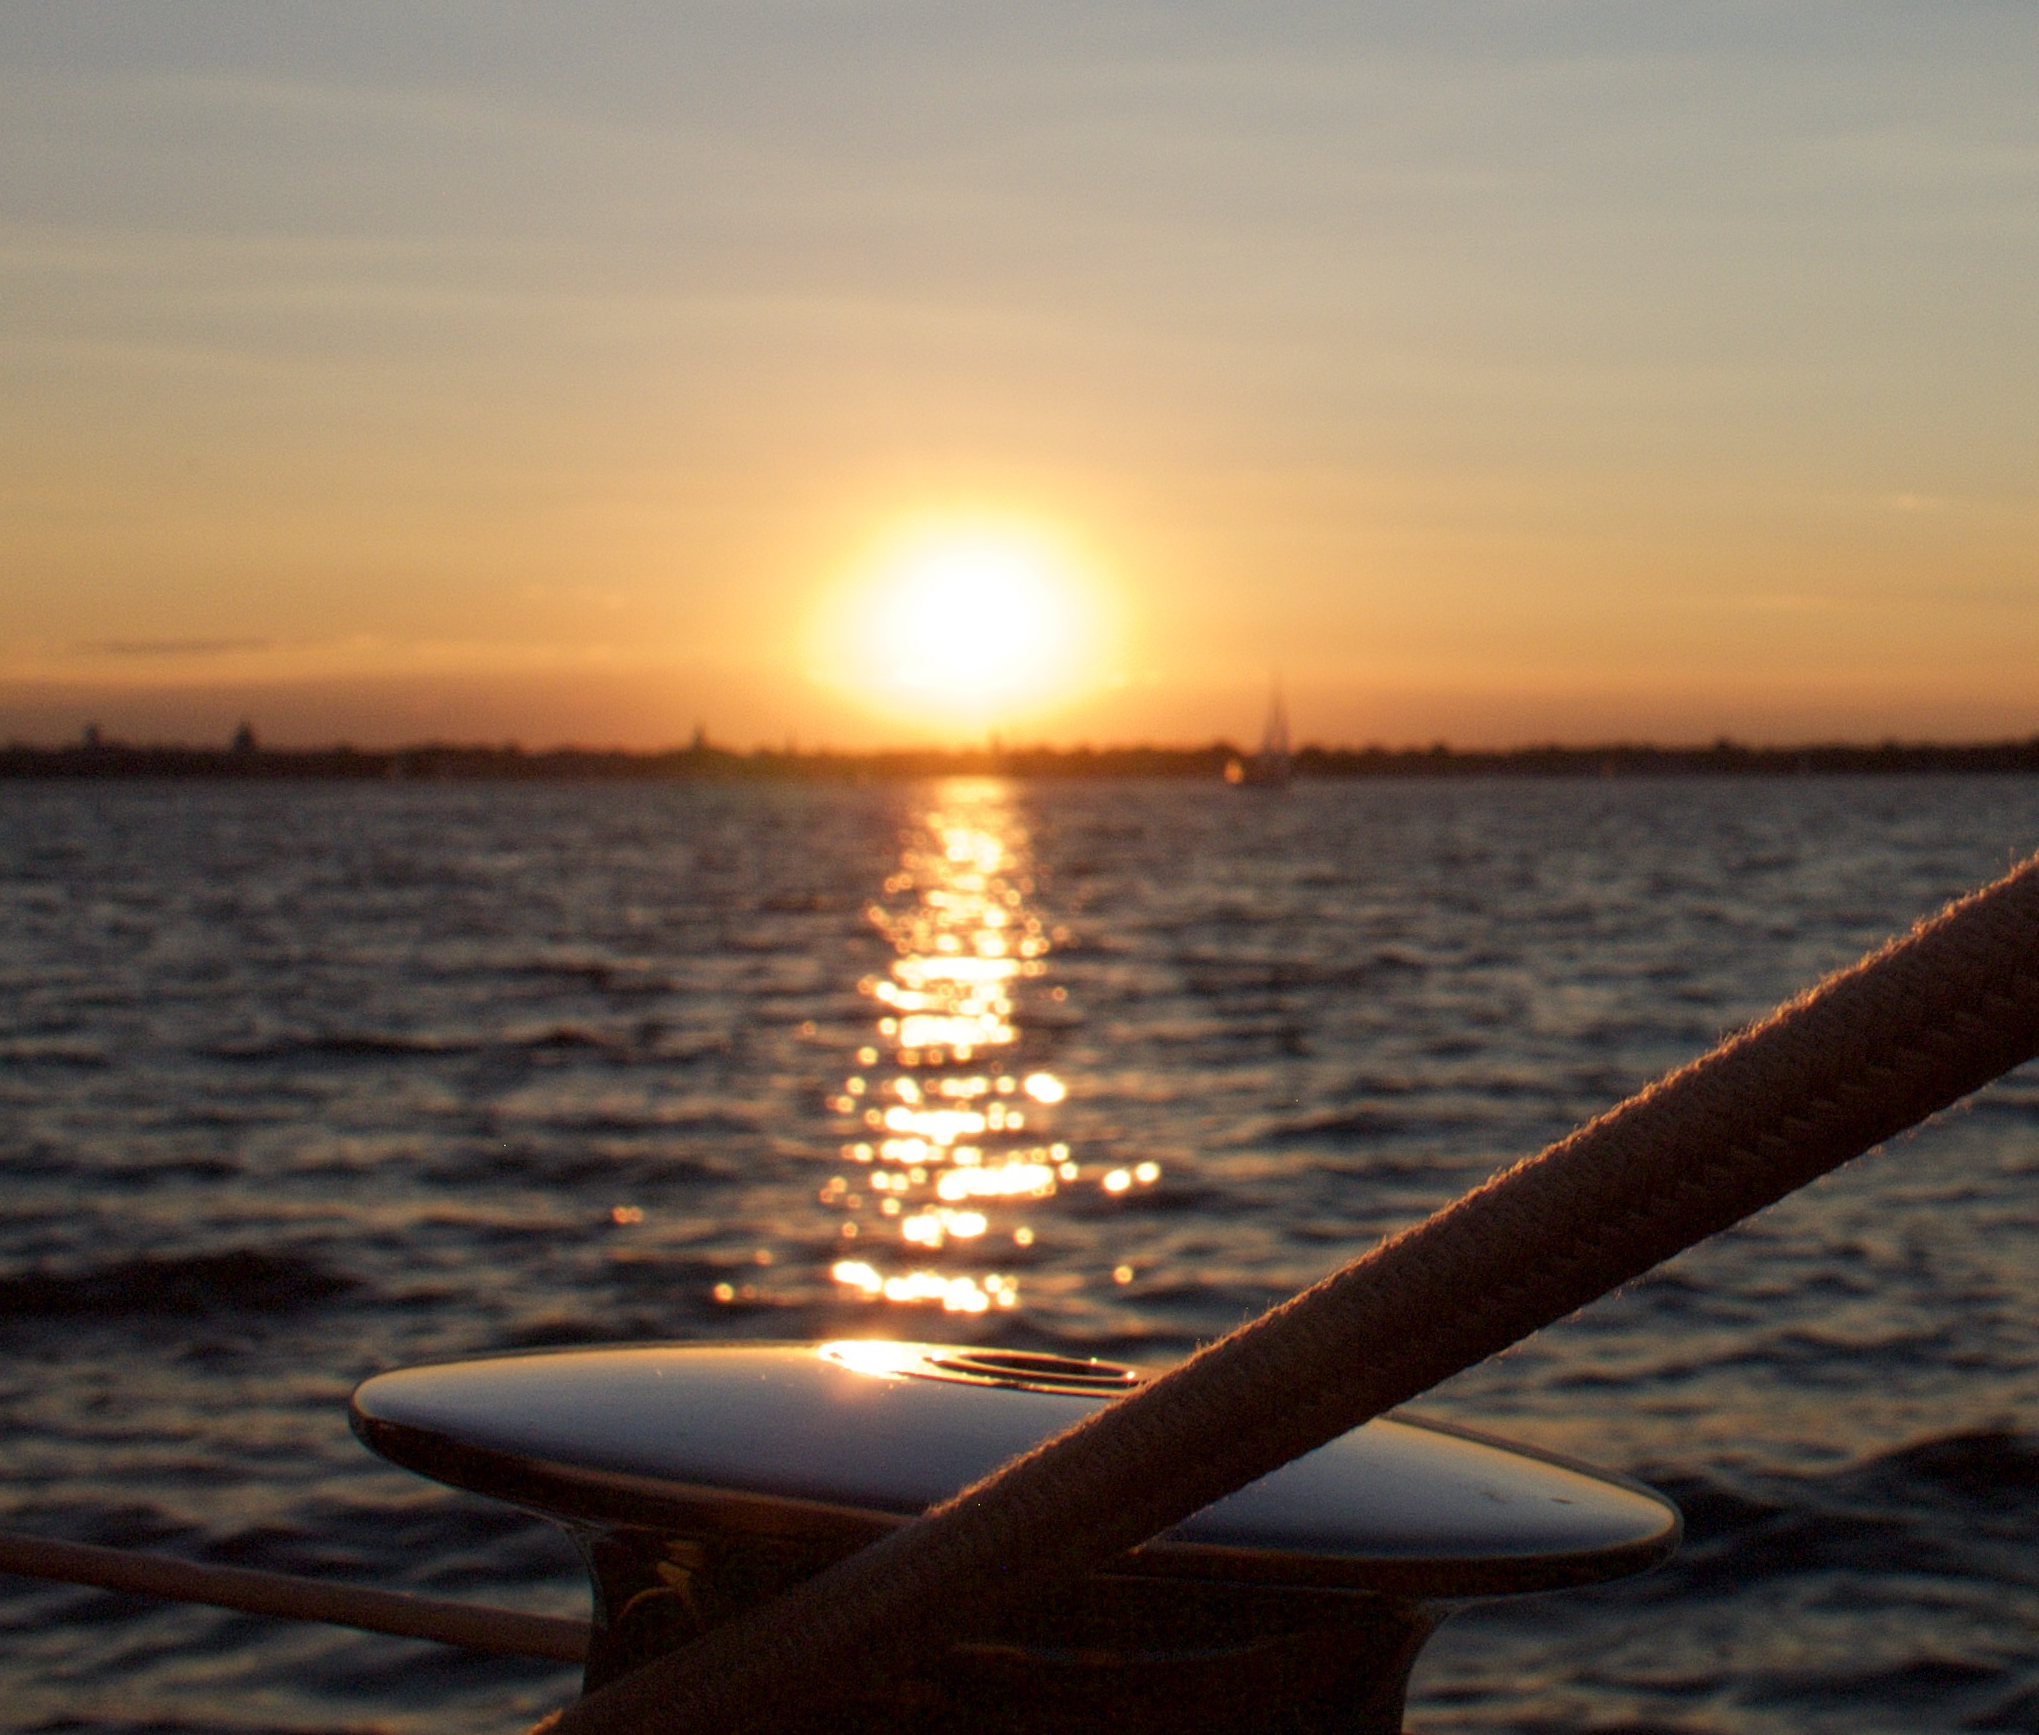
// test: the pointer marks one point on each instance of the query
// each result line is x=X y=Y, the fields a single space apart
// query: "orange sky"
x=1495 y=373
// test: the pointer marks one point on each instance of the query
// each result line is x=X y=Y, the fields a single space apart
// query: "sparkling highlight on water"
x=954 y=1133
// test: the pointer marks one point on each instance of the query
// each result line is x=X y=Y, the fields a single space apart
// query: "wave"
x=400 y=1045
x=1356 y=1126
x=75 y=1056
x=1894 y=1593
x=242 y=1279
x=1219 y=978
x=1946 y=1506
x=344 y=1045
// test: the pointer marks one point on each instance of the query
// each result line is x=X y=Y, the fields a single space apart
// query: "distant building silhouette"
x=244 y=739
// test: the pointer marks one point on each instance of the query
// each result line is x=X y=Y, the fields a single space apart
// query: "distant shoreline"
x=434 y=762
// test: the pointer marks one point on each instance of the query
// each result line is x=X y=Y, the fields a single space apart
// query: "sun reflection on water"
x=950 y=1136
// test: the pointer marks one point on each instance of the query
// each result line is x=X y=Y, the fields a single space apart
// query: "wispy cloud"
x=172 y=647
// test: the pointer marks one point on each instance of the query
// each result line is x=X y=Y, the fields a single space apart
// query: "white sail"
x=1270 y=768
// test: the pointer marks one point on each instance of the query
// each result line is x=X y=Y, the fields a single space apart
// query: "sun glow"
x=963 y=624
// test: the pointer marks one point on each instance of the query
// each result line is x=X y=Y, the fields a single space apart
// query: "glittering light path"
x=948 y=1138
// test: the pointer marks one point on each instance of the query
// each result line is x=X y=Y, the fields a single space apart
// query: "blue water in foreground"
x=301 y=1083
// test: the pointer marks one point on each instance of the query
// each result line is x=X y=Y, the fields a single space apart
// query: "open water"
x=300 y=1083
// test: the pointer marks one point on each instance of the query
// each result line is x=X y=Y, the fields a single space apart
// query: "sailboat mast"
x=1274 y=742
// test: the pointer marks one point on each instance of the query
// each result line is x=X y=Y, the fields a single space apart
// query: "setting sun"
x=962 y=625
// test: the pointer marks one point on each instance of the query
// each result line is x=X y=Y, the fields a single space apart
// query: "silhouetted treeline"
x=704 y=761
x=1628 y=759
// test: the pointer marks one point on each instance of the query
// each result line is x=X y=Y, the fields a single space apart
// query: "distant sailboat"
x=1270 y=768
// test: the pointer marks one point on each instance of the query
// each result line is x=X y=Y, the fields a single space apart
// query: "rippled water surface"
x=302 y=1083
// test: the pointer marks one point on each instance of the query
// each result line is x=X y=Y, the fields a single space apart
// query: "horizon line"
x=246 y=744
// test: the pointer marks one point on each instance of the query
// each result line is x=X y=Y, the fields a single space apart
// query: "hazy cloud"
x=171 y=647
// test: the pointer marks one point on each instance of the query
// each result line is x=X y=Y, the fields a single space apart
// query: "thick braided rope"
x=1868 y=1053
